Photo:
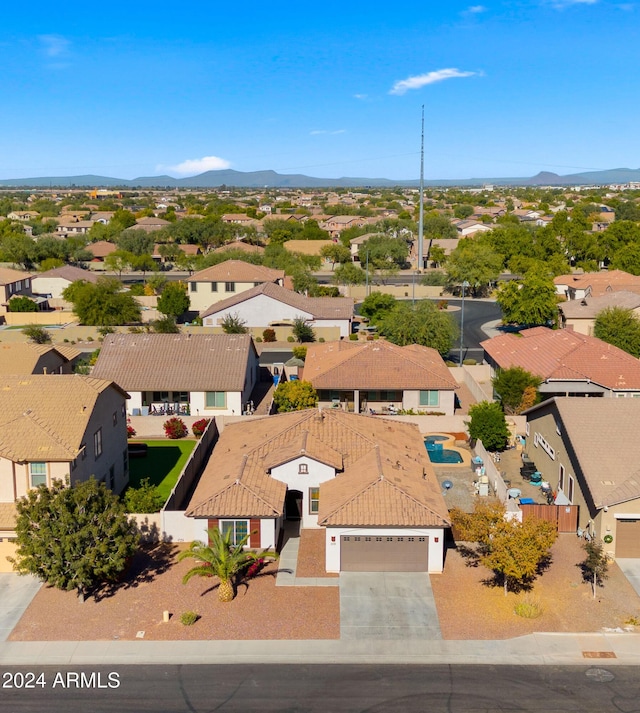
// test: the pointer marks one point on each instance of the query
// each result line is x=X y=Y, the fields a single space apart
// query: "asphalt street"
x=322 y=689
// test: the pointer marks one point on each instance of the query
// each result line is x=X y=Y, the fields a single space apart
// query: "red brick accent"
x=213 y=523
x=254 y=529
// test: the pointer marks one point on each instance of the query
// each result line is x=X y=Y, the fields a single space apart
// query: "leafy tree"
x=302 y=331
x=118 y=261
x=36 y=334
x=620 y=327
x=596 y=565
x=295 y=396
x=336 y=252
x=438 y=226
x=50 y=263
x=269 y=335
x=300 y=352
x=102 y=303
x=73 y=537
x=376 y=306
x=627 y=258
x=145 y=499
x=223 y=560
x=233 y=324
x=143 y=263
x=628 y=210
x=434 y=278
x=437 y=255
x=349 y=274
x=384 y=252
x=462 y=211
x=531 y=301
x=423 y=324
x=165 y=325
x=22 y=304
x=488 y=425
x=511 y=386
x=173 y=300
x=474 y=262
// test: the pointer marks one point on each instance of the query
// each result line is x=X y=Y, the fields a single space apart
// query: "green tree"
x=222 y=559
x=475 y=263
x=376 y=306
x=488 y=425
x=75 y=537
x=302 y=331
x=627 y=258
x=50 y=263
x=511 y=386
x=294 y=396
x=145 y=499
x=173 y=300
x=463 y=210
x=620 y=327
x=233 y=324
x=37 y=334
x=300 y=352
x=423 y=324
x=595 y=567
x=103 y=303
x=531 y=301
x=384 y=252
x=21 y=304
x=349 y=274
x=165 y=325
x=336 y=252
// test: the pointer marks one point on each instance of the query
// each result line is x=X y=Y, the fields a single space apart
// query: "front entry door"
x=293 y=505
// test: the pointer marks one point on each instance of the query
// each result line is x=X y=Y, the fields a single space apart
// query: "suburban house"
x=65 y=427
x=570 y=364
x=198 y=374
x=580 y=315
x=367 y=481
x=226 y=279
x=69 y=225
x=268 y=305
x=590 y=451
x=28 y=358
x=380 y=376
x=467 y=228
x=335 y=224
x=150 y=224
x=240 y=245
x=100 y=250
x=23 y=215
x=53 y=282
x=12 y=283
x=595 y=284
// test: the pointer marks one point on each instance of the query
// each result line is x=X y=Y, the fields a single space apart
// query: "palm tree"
x=221 y=559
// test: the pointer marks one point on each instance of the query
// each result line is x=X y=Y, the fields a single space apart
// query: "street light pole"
x=366 y=291
x=465 y=284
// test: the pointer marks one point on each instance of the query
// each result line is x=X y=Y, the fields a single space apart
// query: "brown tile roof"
x=22 y=357
x=240 y=245
x=236 y=271
x=70 y=273
x=564 y=355
x=44 y=417
x=7 y=275
x=101 y=248
x=386 y=477
x=600 y=282
x=376 y=365
x=176 y=362
x=318 y=307
x=590 y=307
x=604 y=439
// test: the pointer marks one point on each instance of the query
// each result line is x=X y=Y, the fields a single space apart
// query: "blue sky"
x=326 y=89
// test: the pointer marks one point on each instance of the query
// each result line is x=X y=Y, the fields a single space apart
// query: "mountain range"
x=272 y=179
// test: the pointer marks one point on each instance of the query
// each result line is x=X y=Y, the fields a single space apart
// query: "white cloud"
x=317 y=132
x=360 y=96
x=54 y=45
x=559 y=4
x=421 y=80
x=476 y=9
x=194 y=166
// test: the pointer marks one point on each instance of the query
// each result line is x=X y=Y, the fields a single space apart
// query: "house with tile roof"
x=268 y=305
x=28 y=358
x=150 y=224
x=569 y=363
x=100 y=249
x=576 y=286
x=228 y=279
x=589 y=452
x=580 y=315
x=52 y=283
x=380 y=376
x=12 y=283
x=240 y=245
x=367 y=481
x=64 y=427
x=200 y=374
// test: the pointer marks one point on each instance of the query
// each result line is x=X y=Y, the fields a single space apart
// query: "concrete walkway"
x=387 y=606
x=288 y=563
x=631 y=569
x=16 y=593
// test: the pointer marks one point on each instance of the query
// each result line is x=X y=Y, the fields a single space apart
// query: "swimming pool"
x=444 y=455
x=430 y=440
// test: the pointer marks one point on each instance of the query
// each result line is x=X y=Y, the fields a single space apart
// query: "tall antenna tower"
x=421 y=213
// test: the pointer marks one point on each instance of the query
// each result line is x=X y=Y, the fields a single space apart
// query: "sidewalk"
x=536 y=649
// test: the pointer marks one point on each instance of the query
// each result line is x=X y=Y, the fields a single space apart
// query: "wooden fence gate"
x=564 y=516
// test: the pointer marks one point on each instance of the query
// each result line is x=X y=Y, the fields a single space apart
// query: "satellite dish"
x=447 y=484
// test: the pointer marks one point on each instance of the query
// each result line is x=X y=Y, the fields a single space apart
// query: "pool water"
x=438 y=454
x=431 y=440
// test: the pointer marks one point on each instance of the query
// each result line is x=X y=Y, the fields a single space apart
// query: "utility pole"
x=421 y=212
x=366 y=291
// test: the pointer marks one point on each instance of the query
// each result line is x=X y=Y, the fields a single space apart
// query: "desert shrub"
x=528 y=608
x=353 y=337
x=189 y=618
x=258 y=339
x=199 y=426
x=269 y=335
x=321 y=340
x=175 y=428
x=290 y=339
x=469 y=362
x=145 y=499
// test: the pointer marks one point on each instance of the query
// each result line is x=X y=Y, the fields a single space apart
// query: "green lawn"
x=163 y=464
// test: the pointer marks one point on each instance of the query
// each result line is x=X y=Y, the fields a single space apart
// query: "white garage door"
x=393 y=553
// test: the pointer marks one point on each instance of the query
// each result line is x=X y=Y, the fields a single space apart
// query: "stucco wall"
x=318 y=473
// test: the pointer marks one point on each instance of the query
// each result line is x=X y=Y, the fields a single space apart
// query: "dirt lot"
x=468 y=609
x=260 y=611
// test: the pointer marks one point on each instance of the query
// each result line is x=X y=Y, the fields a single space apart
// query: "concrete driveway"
x=387 y=605
x=631 y=569
x=16 y=593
